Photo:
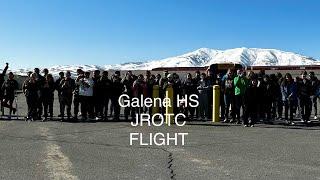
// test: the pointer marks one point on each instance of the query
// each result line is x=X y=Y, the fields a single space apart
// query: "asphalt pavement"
x=101 y=150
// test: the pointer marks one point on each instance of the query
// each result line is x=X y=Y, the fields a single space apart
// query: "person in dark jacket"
x=289 y=97
x=30 y=89
x=97 y=95
x=139 y=88
x=228 y=95
x=196 y=79
x=57 y=87
x=45 y=72
x=279 y=102
x=203 y=97
x=171 y=82
x=304 y=95
x=40 y=82
x=105 y=87
x=48 y=96
x=157 y=79
x=189 y=88
x=276 y=95
x=162 y=81
x=2 y=75
x=314 y=92
x=177 y=90
x=150 y=82
x=76 y=96
x=127 y=83
x=8 y=88
x=211 y=80
x=252 y=94
x=269 y=94
x=67 y=86
x=219 y=81
x=117 y=89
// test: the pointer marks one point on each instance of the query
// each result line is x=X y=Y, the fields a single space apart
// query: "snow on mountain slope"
x=202 y=57
x=54 y=70
x=205 y=57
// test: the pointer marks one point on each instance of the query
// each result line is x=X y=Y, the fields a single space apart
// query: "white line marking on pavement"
x=56 y=162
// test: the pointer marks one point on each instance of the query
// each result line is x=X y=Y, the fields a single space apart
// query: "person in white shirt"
x=86 y=94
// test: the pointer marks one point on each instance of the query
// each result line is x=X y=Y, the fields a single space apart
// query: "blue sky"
x=49 y=32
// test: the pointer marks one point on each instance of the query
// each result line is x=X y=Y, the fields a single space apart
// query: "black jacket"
x=304 y=88
x=8 y=88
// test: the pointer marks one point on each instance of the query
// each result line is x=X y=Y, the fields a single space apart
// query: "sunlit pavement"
x=101 y=150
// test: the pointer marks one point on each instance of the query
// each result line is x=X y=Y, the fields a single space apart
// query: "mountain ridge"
x=201 y=57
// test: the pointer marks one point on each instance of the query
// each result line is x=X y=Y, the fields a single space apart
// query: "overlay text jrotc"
x=245 y=97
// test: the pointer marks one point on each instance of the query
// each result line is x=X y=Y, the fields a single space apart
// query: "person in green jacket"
x=240 y=83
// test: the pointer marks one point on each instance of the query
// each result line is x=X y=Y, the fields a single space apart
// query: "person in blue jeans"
x=228 y=95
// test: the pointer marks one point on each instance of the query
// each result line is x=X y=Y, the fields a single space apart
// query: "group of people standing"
x=245 y=98
x=264 y=97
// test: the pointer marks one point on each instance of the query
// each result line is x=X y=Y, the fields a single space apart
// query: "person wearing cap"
x=67 y=86
x=8 y=88
x=57 y=87
x=304 y=95
x=315 y=92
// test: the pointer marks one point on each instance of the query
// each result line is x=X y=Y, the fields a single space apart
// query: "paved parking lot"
x=101 y=150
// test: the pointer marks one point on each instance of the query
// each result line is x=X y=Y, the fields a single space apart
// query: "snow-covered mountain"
x=205 y=57
x=202 y=57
